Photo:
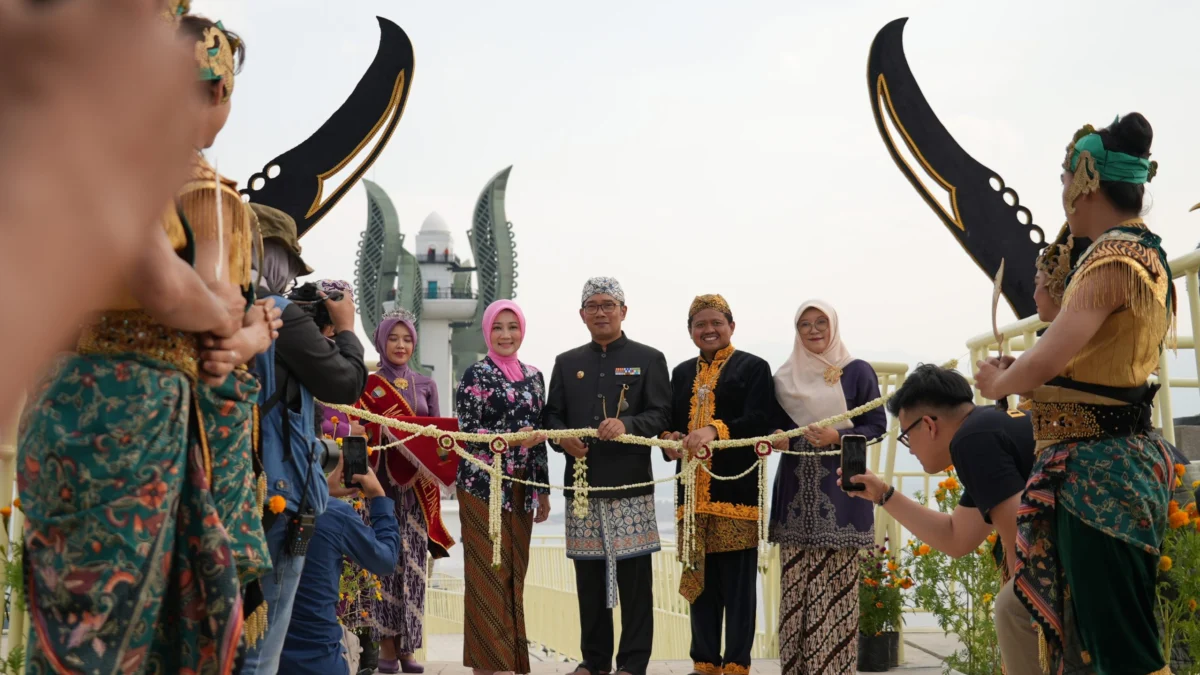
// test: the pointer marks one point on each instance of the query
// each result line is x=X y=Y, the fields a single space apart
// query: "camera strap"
x=281 y=388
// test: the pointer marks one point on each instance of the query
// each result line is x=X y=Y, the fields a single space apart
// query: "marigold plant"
x=880 y=603
x=1179 y=590
x=959 y=592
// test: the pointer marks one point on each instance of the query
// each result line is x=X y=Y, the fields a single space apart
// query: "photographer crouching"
x=302 y=364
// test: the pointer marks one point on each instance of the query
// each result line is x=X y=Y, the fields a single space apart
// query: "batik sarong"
x=614 y=529
x=1079 y=496
x=128 y=569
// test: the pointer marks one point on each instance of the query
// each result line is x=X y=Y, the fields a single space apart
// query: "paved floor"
x=921 y=654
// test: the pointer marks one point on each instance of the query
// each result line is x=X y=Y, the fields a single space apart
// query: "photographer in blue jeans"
x=300 y=365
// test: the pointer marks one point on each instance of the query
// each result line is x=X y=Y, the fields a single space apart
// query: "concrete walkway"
x=922 y=652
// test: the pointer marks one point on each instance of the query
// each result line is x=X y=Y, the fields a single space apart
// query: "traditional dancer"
x=500 y=394
x=1096 y=505
x=117 y=440
x=615 y=385
x=723 y=393
x=396 y=390
x=820 y=528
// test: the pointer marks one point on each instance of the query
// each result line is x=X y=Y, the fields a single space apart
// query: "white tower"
x=441 y=304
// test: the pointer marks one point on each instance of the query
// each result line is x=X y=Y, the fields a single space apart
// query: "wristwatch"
x=887 y=495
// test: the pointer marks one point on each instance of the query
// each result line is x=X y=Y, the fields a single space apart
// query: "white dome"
x=434 y=222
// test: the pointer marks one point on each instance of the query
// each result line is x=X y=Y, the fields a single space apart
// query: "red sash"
x=418 y=461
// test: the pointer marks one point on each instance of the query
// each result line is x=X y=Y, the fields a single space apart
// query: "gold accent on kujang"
x=881 y=91
x=393 y=107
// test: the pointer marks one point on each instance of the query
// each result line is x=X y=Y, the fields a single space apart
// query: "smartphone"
x=854 y=461
x=354 y=459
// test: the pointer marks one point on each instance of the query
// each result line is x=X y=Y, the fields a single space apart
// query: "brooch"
x=833 y=375
x=401 y=383
x=579 y=375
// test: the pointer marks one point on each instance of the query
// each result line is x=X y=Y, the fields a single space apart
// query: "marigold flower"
x=1192 y=604
x=1190 y=509
x=1178 y=483
x=870 y=582
x=879 y=605
x=951 y=483
x=987 y=597
x=940 y=495
x=1180 y=469
x=892 y=565
x=1196 y=485
x=1172 y=507
x=906 y=583
x=923 y=549
x=991 y=538
x=5 y=511
x=980 y=551
x=363 y=613
x=17 y=502
x=277 y=504
x=1165 y=563
x=1178 y=520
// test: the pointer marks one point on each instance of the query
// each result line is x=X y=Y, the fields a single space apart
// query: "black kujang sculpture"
x=980 y=217
x=364 y=123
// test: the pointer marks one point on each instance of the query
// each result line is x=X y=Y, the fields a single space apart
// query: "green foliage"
x=1179 y=587
x=880 y=602
x=960 y=593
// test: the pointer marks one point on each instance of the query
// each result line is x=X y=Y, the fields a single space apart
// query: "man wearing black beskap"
x=616 y=386
x=991 y=450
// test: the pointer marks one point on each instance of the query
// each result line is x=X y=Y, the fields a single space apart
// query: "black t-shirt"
x=993 y=455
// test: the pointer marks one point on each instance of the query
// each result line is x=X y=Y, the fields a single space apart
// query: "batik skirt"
x=1089 y=531
x=128 y=568
x=399 y=613
x=494 y=635
x=818 y=613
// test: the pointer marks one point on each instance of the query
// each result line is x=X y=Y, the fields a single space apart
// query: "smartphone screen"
x=854 y=461
x=354 y=459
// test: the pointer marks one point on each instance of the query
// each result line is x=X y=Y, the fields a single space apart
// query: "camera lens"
x=330 y=453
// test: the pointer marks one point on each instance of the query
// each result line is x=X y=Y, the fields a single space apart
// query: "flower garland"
x=498 y=446
x=500 y=443
x=579 y=499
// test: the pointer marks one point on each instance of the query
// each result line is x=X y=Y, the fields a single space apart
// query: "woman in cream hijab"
x=820 y=529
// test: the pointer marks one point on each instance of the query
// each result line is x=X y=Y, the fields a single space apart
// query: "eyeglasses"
x=607 y=308
x=903 y=437
x=820 y=326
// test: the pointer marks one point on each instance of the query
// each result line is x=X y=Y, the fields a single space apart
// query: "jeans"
x=279 y=590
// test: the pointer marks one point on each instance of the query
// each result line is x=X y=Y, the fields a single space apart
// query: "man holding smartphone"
x=992 y=450
x=313 y=645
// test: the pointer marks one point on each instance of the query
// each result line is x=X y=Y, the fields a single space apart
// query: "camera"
x=308 y=298
x=329 y=453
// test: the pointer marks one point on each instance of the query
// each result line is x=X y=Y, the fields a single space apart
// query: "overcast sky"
x=698 y=147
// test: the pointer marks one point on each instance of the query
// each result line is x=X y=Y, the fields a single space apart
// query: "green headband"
x=1112 y=165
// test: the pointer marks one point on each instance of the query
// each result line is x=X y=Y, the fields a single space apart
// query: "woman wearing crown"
x=1095 y=508
x=396 y=390
x=130 y=567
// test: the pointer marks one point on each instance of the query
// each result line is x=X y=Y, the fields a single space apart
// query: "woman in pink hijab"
x=500 y=394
